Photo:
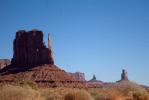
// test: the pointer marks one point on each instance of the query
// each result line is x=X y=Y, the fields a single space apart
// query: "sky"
x=99 y=37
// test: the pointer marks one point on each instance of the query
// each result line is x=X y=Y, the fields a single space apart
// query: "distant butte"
x=93 y=83
x=32 y=60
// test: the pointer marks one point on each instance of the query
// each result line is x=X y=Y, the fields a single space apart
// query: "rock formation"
x=29 y=49
x=4 y=63
x=33 y=61
x=93 y=83
x=94 y=78
x=78 y=76
x=124 y=75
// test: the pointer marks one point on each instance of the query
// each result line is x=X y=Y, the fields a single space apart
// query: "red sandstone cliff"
x=29 y=49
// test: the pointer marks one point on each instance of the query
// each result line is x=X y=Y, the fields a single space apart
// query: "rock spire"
x=124 y=75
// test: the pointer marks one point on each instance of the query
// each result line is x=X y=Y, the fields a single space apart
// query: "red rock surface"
x=29 y=49
x=4 y=63
x=45 y=76
x=78 y=76
x=33 y=61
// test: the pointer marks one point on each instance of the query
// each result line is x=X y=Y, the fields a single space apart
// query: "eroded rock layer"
x=45 y=76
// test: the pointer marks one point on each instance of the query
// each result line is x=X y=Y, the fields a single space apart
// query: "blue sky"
x=99 y=37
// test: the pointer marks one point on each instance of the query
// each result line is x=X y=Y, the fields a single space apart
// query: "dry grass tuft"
x=65 y=94
x=78 y=95
x=9 y=92
x=105 y=94
x=120 y=91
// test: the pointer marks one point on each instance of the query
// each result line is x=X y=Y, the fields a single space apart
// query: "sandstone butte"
x=33 y=61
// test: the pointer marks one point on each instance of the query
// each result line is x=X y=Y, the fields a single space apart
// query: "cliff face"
x=29 y=49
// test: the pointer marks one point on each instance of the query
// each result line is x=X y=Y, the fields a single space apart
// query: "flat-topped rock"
x=78 y=76
x=30 y=50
